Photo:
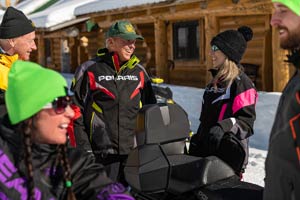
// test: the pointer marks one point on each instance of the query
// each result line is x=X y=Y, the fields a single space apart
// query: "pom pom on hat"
x=233 y=43
x=246 y=32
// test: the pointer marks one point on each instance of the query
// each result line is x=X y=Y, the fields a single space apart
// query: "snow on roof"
x=58 y=13
x=103 y=5
x=27 y=6
x=67 y=10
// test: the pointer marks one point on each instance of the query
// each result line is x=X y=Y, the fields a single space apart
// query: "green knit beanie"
x=30 y=88
x=294 y=5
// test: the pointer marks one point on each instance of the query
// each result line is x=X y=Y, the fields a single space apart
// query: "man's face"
x=124 y=48
x=288 y=25
x=24 y=45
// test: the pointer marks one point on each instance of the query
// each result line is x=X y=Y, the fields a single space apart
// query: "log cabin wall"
x=215 y=21
x=255 y=53
x=48 y=52
x=158 y=24
x=64 y=53
x=96 y=41
x=145 y=50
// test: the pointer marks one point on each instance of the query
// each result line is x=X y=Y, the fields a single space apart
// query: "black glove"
x=215 y=136
x=199 y=145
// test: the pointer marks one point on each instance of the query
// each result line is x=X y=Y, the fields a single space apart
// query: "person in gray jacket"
x=283 y=159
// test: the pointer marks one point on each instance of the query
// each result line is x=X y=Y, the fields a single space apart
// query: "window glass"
x=186 y=40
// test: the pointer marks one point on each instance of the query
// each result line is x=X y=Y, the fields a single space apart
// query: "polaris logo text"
x=119 y=77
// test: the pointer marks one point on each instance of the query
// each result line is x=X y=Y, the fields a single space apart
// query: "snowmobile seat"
x=164 y=124
x=158 y=163
x=148 y=169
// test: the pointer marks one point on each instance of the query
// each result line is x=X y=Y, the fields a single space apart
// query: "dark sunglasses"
x=214 y=48
x=59 y=104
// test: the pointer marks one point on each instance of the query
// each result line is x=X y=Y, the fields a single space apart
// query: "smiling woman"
x=34 y=134
x=228 y=107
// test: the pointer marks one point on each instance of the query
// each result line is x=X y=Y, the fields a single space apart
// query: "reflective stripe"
x=294 y=124
x=233 y=120
x=91 y=127
x=96 y=107
x=139 y=86
x=224 y=96
x=170 y=101
x=73 y=81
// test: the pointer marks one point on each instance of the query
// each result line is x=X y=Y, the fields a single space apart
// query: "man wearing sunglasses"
x=110 y=89
x=17 y=34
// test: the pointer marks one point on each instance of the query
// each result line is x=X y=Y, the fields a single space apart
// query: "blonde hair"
x=226 y=74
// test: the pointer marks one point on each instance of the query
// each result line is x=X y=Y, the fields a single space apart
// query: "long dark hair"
x=25 y=128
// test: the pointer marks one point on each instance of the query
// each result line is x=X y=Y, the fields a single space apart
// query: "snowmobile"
x=162 y=94
x=159 y=169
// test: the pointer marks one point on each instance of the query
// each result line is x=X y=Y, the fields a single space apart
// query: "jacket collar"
x=7 y=60
x=112 y=59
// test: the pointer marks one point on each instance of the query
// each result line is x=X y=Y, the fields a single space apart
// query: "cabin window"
x=48 y=52
x=49 y=58
x=186 y=40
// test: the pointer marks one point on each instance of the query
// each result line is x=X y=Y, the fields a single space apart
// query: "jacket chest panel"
x=110 y=88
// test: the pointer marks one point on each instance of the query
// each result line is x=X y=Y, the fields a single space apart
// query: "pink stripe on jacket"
x=247 y=98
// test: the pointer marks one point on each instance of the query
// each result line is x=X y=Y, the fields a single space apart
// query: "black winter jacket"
x=110 y=97
x=89 y=179
x=283 y=160
x=232 y=108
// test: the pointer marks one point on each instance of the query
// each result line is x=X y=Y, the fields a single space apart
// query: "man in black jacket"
x=110 y=89
x=283 y=159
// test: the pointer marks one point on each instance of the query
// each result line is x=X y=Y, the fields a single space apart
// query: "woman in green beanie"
x=34 y=160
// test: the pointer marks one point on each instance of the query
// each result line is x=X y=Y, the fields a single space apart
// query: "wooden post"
x=267 y=62
x=7 y=3
x=41 y=49
x=161 y=55
x=211 y=30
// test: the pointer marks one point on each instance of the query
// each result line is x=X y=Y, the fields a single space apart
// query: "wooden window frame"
x=192 y=40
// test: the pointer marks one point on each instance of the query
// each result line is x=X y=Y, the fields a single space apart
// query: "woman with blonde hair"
x=228 y=107
x=35 y=162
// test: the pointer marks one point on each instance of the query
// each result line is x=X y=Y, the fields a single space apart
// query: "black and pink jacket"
x=233 y=108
